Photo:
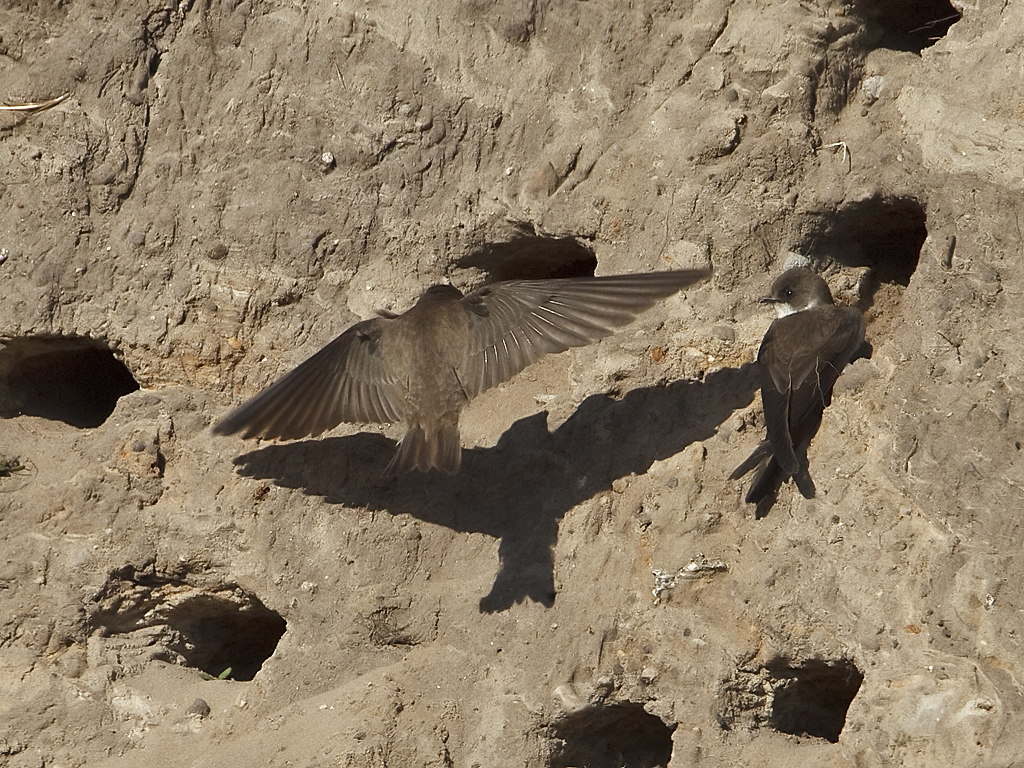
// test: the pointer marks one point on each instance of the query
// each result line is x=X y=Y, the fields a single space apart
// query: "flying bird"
x=425 y=365
x=805 y=349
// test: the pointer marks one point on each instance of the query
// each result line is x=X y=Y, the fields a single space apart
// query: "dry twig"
x=38 y=106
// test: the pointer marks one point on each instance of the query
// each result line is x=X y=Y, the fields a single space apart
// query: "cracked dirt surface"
x=232 y=184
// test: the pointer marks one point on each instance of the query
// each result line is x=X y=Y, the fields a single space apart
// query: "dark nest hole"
x=74 y=380
x=217 y=634
x=611 y=736
x=885 y=234
x=227 y=632
x=529 y=256
x=807 y=698
x=813 y=697
x=907 y=25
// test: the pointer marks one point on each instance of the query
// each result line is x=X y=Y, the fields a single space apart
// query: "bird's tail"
x=769 y=474
x=766 y=481
x=437 y=447
x=760 y=454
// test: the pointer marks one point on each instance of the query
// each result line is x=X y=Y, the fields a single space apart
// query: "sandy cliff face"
x=231 y=185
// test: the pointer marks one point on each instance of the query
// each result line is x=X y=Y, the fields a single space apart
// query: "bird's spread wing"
x=348 y=380
x=797 y=379
x=515 y=323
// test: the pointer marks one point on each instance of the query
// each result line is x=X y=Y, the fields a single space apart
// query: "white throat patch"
x=784 y=308
x=781 y=310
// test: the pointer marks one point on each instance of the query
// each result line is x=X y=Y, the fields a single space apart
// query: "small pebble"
x=199 y=707
x=724 y=332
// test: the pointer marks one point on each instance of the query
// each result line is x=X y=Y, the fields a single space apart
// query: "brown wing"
x=513 y=324
x=801 y=357
x=828 y=335
x=348 y=380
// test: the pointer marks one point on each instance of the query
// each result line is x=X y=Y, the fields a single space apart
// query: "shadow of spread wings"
x=515 y=323
x=348 y=380
x=797 y=380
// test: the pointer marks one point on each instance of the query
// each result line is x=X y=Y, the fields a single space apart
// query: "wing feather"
x=347 y=380
x=515 y=323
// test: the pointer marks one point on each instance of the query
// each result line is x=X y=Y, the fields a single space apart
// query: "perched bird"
x=425 y=365
x=805 y=349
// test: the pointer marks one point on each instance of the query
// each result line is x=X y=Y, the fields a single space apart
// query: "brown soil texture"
x=231 y=184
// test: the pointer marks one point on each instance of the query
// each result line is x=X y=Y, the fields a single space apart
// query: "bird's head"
x=797 y=289
x=442 y=292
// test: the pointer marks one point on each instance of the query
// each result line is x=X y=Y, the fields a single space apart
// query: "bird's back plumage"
x=432 y=336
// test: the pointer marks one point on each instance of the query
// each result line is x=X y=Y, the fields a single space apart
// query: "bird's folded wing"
x=515 y=323
x=348 y=380
x=776 y=422
x=827 y=346
x=797 y=379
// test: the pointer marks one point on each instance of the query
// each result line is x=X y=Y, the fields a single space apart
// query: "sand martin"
x=805 y=349
x=425 y=365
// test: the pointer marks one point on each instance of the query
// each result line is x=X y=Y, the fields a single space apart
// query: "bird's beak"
x=769 y=300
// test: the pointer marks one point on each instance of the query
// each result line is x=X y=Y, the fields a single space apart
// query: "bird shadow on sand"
x=518 y=490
